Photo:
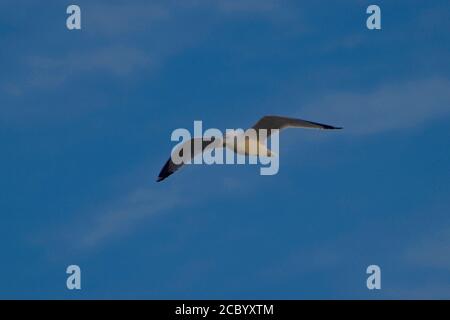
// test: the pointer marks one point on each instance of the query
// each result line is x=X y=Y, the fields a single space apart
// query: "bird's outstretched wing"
x=276 y=122
x=170 y=167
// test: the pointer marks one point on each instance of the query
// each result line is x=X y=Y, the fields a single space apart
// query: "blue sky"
x=85 y=124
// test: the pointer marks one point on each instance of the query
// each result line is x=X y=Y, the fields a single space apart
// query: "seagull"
x=250 y=146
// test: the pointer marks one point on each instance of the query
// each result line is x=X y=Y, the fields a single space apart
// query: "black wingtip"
x=333 y=128
x=163 y=175
x=160 y=179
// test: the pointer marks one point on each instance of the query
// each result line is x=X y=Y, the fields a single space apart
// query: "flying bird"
x=249 y=146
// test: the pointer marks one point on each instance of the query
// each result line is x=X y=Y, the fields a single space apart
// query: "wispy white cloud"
x=392 y=106
x=431 y=252
x=426 y=254
x=118 y=217
x=114 y=19
x=233 y=6
x=130 y=37
x=53 y=71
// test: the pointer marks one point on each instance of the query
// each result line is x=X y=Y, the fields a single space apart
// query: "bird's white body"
x=246 y=145
x=251 y=142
